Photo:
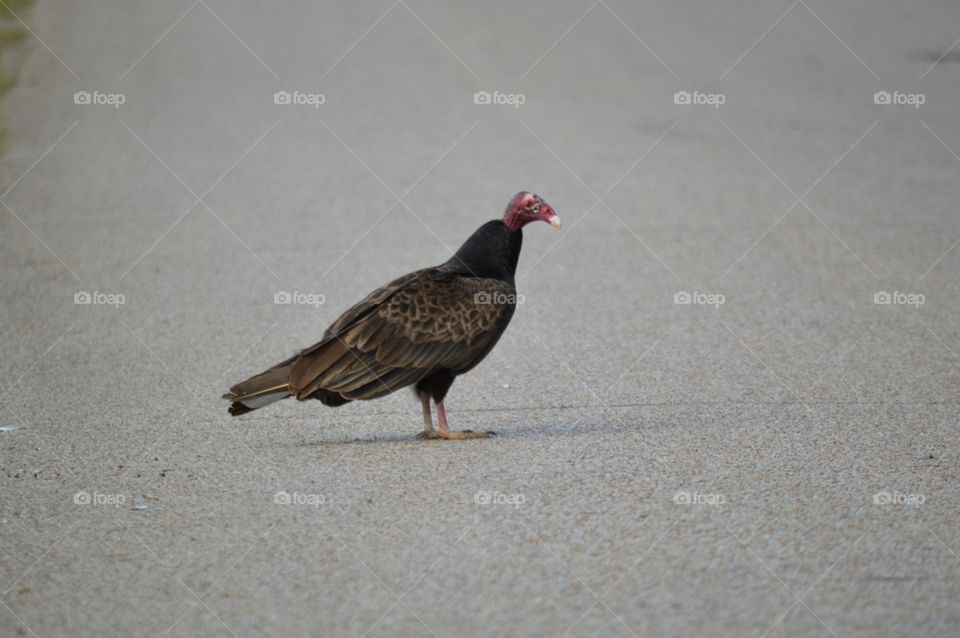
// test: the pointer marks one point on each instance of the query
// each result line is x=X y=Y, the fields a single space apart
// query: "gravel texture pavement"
x=777 y=457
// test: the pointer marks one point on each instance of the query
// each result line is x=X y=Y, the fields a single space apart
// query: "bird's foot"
x=455 y=436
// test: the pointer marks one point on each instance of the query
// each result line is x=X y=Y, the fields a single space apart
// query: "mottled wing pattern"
x=370 y=302
x=429 y=320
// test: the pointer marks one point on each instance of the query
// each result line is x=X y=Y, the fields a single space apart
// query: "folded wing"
x=426 y=321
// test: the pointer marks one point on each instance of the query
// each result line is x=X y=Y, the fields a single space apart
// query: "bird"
x=423 y=329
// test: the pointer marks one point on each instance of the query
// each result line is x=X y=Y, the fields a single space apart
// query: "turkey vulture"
x=423 y=329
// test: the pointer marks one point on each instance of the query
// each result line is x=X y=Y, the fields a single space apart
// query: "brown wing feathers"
x=428 y=320
x=264 y=388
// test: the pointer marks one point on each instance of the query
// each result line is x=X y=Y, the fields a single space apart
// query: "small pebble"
x=8 y=428
x=506 y=386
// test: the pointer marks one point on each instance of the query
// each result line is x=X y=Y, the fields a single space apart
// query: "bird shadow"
x=517 y=432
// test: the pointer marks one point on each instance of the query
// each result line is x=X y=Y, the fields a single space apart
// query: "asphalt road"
x=777 y=457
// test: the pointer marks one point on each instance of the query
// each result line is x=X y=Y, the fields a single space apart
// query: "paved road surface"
x=662 y=469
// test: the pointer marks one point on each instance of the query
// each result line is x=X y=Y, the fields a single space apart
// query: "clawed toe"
x=444 y=431
x=459 y=436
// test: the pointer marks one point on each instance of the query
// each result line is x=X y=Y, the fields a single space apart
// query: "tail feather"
x=260 y=390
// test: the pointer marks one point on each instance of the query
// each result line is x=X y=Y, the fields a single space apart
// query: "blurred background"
x=753 y=299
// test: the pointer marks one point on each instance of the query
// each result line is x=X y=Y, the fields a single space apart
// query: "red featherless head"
x=525 y=208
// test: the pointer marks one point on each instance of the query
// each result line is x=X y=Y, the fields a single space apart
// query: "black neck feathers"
x=491 y=252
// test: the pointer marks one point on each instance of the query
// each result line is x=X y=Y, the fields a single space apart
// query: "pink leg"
x=442 y=417
x=427 y=417
x=445 y=432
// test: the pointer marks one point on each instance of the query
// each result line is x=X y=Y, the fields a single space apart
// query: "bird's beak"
x=551 y=217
